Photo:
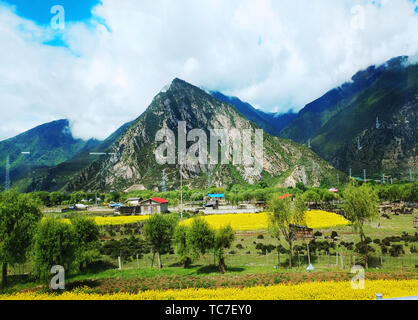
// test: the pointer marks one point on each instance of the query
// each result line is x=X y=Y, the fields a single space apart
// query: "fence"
x=406 y=263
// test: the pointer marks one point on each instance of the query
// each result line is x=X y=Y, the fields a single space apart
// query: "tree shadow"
x=215 y=269
x=98 y=266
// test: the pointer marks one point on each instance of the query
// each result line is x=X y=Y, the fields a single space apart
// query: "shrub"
x=396 y=250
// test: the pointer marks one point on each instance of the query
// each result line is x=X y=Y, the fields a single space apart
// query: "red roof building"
x=154 y=205
x=159 y=200
x=285 y=196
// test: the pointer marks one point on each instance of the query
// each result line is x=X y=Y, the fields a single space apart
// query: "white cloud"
x=107 y=78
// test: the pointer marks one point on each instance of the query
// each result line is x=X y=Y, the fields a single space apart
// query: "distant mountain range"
x=378 y=109
x=271 y=123
x=44 y=146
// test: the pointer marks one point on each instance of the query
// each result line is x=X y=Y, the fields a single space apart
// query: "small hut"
x=302 y=232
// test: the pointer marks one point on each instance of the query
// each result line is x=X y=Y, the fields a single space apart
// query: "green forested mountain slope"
x=387 y=95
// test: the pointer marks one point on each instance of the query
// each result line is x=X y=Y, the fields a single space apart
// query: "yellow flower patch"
x=246 y=222
x=303 y=291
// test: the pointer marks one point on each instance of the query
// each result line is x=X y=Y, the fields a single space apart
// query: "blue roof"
x=216 y=195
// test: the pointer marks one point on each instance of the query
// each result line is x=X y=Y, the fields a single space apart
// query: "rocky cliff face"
x=133 y=161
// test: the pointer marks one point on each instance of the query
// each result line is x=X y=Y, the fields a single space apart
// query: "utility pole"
x=383 y=178
x=209 y=182
x=350 y=172
x=7 y=182
x=163 y=188
x=181 y=191
x=364 y=175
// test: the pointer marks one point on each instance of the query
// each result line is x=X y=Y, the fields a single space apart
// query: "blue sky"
x=39 y=10
x=105 y=71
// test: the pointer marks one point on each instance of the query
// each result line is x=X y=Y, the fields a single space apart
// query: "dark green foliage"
x=301 y=186
x=224 y=238
x=182 y=247
x=363 y=248
x=19 y=215
x=55 y=244
x=200 y=237
x=396 y=250
x=159 y=231
x=86 y=234
x=126 y=248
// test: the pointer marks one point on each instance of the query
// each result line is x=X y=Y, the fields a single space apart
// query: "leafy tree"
x=55 y=244
x=312 y=196
x=19 y=215
x=86 y=236
x=159 y=231
x=224 y=238
x=283 y=216
x=182 y=247
x=127 y=248
x=77 y=196
x=44 y=197
x=301 y=186
x=200 y=237
x=361 y=207
x=56 y=198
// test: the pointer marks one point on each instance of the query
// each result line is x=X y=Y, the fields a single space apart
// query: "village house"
x=154 y=205
x=133 y=201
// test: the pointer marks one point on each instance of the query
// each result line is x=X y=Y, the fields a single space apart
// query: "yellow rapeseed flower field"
x=315 y=219
x=303 y=291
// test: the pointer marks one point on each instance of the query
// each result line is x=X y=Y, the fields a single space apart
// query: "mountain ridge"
x=133 y=160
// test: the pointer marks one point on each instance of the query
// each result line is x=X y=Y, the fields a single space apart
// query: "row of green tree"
x=47 y=242
x=235 y=195
x=190 y=241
